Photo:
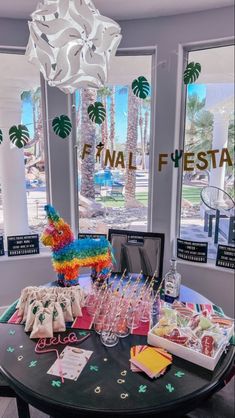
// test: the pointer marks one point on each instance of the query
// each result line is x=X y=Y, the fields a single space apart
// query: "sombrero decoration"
x=69 y=254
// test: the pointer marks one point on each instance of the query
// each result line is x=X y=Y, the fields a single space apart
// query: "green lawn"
x=118 y=202
x=190 y=193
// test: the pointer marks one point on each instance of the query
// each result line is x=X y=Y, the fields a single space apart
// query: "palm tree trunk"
x=146 y=123
x=112 y=119
x=141 y=123
x=131 y=146
x=88 y=136
x=104 y=132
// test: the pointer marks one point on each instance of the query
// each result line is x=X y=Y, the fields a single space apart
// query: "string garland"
x=62 y=125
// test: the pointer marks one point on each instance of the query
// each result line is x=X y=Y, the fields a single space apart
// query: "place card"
x=225 y=256
x=71 y=362
x=195 y=251
x=2 y=252
x=23 y=245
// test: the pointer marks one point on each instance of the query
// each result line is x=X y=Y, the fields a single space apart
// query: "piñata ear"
x=52 y=215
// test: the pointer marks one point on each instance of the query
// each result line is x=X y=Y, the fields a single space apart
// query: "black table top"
x=180 y=390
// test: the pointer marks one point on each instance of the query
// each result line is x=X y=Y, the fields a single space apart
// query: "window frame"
x=137 y=51
x=181 y=116
x=21 y=51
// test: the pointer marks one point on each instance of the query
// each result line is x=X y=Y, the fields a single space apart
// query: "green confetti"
x=82 y=333
x=170 y=388
x=179 y=374
x=56 y=383
x=94 y=368
x=10 y=349
x=33 y=363
x=142 y=388
x=11 y=332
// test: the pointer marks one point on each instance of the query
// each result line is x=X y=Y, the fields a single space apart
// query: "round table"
x=136 y=396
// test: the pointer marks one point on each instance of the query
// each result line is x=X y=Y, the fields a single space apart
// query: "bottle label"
x=171 y=289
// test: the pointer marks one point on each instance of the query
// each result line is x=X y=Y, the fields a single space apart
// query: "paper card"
x=150 y=361
x=72 y=362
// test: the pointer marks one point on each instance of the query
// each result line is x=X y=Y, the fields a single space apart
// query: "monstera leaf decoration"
x=19 y=135
x=192 y=72
x=62 y=126
x=1 y=136
x=97 y=112
x=141 y=87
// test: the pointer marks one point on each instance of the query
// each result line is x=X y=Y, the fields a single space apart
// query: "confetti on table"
x=179 y=374
x=10 y=349
x=170 y=388
x=124 y=395
x=19 y=358
x=11 y=332
x=120 y=381
x=82 y=333
x=97 y=389
x=33 y=363
x=105 y=359
x=94 y=368
x=142 y=388
x=123 y=373
x=56 y=383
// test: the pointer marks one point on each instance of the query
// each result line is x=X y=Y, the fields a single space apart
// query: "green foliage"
x=97 y=112
x=141 y=87
x=1 y=136
x=62 y=126
x=192 y=72
x=19 y=135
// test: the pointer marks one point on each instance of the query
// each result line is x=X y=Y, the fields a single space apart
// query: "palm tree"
x=141 y=126
x=34 y=98
x=194 y=106
x=103 y=93
x=112 y=119
x=131 y=145
x=88 y=136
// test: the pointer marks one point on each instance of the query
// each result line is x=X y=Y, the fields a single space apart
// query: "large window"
x=207 y=204
x=113 y=183
x=22 y=170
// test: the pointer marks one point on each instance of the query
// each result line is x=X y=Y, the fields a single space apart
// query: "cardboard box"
x=187 y=353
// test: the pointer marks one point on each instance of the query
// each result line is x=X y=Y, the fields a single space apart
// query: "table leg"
x=217 y=216
x=22 y=407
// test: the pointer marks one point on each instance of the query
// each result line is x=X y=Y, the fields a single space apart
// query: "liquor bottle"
x=172 y=283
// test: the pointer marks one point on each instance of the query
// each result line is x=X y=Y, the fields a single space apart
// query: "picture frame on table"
x=137 y=251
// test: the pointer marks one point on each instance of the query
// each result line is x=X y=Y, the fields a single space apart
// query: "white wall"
x=168 y=34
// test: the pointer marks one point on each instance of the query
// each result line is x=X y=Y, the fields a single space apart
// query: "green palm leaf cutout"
x=97 y=112
x=19 y=135
x=1 y=136
x=192 y=72
x=141 y=87
x=62 y=126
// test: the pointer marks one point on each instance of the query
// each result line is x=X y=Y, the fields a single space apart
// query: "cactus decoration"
x=176 y=156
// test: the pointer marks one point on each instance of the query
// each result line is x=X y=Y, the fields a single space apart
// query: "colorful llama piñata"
x=69 y=254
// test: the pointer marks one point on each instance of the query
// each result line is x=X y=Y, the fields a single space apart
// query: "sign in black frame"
x=2 y=252
x=225 y=257
x=136 y=238
x=93 y=236
x=23 y=245
x=195 y=251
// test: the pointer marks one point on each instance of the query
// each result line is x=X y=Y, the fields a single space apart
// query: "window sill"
x=209 y=265
x=42 y=254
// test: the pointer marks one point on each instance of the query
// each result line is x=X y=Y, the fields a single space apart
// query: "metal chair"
x=219 y=204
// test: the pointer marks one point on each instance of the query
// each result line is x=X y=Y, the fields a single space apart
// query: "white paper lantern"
x=72 y=43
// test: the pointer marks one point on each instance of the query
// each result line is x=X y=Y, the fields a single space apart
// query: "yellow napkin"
x=151 y=361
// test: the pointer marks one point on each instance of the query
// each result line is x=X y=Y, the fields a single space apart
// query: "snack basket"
x=188 y=353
